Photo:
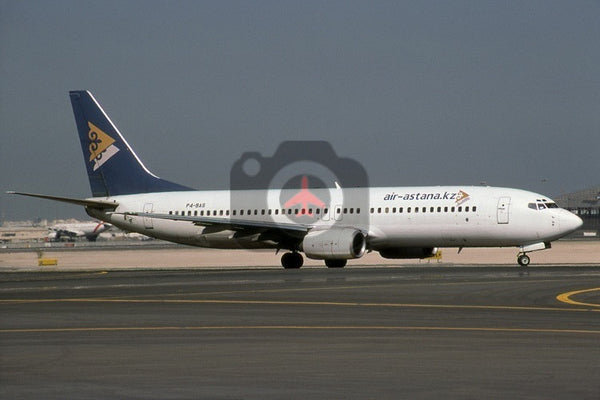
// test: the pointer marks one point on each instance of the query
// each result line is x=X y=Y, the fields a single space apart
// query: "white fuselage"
x=434 y=216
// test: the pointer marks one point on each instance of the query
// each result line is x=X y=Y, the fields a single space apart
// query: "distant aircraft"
x=89 y=230
x=397 y=222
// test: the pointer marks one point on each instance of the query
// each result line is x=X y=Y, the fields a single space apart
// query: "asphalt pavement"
x=354 y=333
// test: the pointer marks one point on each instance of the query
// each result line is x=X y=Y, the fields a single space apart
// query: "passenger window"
x=379 y=210
x=408 y=210
x=318 y=211
x=424 y=209
x=241 y=212
x=394 y=210
x=432 y=209
x=277 y=211
x=358 y=210
x=474 y=208
x=351 y=210
x=416 y=209
x=452 y=209
x=372 y=210
x=439 y=209
x=233 y=212
x=467 y=209
x=227 y=212
x=345 y=210
x=387 y=210
x=262 y=212
x=445 y=209
x=459 y=209
x=401 y=210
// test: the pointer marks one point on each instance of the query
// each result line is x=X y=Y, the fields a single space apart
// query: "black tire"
x=292 y=260
x=523 y=260
x=335 y=263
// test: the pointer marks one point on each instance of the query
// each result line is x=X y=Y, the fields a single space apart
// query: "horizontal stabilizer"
x=102 y=204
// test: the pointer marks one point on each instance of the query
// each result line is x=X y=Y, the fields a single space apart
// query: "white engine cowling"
x=335 y=243
x=408 y=252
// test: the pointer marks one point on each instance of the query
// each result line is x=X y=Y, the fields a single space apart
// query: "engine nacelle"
x=409 y=252
x=334 y=243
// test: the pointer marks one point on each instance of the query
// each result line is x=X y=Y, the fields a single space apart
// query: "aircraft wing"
x=239 y=225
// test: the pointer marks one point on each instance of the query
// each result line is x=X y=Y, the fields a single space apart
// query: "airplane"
x=89 y=230
x=397 y=222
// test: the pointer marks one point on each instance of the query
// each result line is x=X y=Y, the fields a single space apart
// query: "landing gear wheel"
x=335 y=263
x=523 y=260
x=292 y=260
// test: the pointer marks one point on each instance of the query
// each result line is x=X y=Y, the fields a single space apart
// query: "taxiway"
x=460 y=332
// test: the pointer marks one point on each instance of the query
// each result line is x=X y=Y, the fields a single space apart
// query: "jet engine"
x=334 y=243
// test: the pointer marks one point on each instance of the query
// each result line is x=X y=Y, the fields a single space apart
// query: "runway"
x=425 y=332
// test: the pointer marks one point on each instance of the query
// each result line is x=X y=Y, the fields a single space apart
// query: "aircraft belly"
x=446 y=235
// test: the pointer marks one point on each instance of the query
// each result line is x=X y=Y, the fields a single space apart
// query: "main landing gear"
x=295 y=260
x=292 y=260
x=336 y=263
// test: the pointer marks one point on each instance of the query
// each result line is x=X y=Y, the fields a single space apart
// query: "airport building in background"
x=586 y=204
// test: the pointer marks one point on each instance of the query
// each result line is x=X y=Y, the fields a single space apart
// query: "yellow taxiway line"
x=305 y=303
x=566 y=298
x=297 y=327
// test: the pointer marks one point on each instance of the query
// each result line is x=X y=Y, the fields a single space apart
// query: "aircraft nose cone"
x=570 y=222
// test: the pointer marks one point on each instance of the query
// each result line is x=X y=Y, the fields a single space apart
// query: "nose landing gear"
x=523 y=260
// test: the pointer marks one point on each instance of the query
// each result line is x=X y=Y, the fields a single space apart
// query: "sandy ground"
x=562 y=252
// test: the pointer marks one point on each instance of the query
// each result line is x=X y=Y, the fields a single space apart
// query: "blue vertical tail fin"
x=112 y=166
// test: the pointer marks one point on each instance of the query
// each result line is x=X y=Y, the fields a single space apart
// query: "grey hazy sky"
x=420 y=93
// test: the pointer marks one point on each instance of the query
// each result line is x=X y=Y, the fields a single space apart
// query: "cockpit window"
x=541 y=205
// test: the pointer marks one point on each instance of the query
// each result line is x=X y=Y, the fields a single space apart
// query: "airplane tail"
x=112 y=166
